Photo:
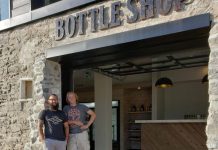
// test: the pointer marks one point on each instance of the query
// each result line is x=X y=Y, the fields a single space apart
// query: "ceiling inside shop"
x=164 y=62
x=140 y=69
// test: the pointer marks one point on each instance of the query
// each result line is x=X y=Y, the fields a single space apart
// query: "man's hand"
x=84 y=127
x=75 y=122
x=92 y=119
x=66 y=126
x=41 y=138
x=41 y=132
x=79 y=123
x=67 y=139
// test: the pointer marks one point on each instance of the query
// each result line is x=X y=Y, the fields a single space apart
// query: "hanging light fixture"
x=204 y=79
x=164 y=83
x=139 y=87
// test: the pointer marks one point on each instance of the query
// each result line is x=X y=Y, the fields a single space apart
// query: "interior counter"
x=173 y=134
x=172 y=121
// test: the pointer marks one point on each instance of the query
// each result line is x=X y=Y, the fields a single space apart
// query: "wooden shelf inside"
x=132 y=122
x=139 y=112
x=134 y=139
x=132 y=130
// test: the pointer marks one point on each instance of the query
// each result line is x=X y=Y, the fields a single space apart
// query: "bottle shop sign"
x=97 y=18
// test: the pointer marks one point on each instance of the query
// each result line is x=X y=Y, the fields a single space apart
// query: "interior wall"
x=134 y=97
x=160 y=104
x=187 y=96
x=85 y=95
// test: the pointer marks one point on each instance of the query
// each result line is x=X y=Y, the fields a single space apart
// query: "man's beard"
x=54 y=107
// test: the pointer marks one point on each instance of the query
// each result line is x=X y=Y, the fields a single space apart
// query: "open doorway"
x=134 y=82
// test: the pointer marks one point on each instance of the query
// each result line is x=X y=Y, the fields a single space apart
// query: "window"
x=26 y=89
x=35 y=4
x=4 y=9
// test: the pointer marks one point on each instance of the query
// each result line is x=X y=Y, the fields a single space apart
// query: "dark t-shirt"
x=78 y=112
x=54 y=124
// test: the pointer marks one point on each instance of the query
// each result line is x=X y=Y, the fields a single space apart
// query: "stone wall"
x=22 y=55
x=212 y=121
x=14 y=114
x=47 y=80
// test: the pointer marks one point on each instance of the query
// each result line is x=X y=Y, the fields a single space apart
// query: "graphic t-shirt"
x=78 y=112
x=54 y=124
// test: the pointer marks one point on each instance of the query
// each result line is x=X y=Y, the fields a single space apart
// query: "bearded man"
x=56 y=132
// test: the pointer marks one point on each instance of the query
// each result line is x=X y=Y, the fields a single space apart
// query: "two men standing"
x=67 y=127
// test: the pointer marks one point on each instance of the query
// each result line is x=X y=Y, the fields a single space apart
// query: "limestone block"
x=13 y=69
x=213 y=84
x=1 y=71
x=15 y=128
x=34 y=137
x=38 y=146
x=3 y=114
x=214 y=105
x=3 y=130
x=212 y=145
x=39 y=78
x=35 y=116
x=213 y=62
x=38 y=70
x=213 y=38
x=27 y=146
x=38 y=108
x=18 y=146
x=14 y=107
x=41 y=102
x=12 y=140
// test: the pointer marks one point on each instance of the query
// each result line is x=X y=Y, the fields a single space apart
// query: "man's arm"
x=91 y=120
x=66 y=127
x=40 y=128
x=75 y=122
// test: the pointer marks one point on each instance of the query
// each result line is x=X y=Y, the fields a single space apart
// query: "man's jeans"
x=51 y=144
x=79 y=141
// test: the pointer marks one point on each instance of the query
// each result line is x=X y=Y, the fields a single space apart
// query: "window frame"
x=23 y=92
x=42 y=12
x=9 y=10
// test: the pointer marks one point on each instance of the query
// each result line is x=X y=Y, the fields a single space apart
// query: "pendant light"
x=204 y=79
x=164 y=83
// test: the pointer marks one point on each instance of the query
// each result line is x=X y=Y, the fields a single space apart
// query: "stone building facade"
x=23 y=56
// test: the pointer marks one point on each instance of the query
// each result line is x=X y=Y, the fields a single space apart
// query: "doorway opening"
x=134 y=82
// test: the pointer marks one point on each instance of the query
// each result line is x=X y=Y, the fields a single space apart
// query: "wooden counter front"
x=173 y=136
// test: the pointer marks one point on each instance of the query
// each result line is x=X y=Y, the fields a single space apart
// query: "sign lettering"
x=139 y=10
